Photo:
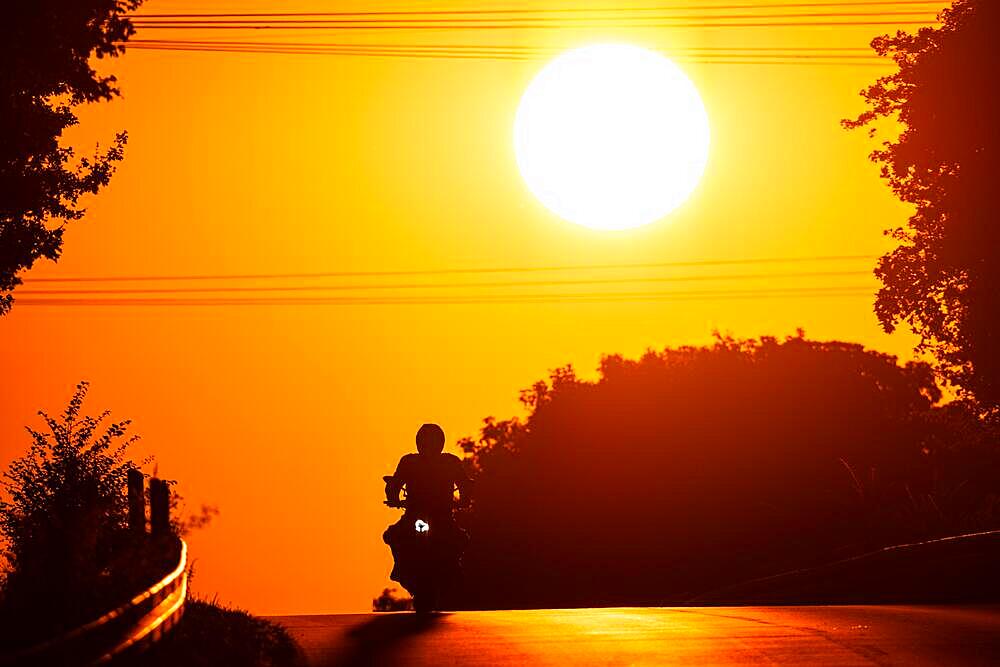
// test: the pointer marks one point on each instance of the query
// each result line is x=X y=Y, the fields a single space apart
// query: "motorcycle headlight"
x=422 y=526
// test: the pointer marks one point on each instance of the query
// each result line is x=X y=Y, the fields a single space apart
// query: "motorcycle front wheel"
x=425 y=601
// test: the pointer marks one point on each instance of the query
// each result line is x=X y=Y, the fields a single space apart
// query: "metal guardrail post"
x=136 y=502
x=159 y=507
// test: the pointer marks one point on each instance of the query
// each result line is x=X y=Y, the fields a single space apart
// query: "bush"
x=64 y=521
x=71 y=556
x=389 y=601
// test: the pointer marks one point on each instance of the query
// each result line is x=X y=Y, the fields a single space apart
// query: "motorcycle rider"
x=430 y=478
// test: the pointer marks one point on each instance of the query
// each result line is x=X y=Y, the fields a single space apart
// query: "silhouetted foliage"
x=66 y=493
x=698 y=467
x=389 y=601
x=211 y=634
x=63 y=518
x=193 y=521
x=944 y=278
x=45 y=52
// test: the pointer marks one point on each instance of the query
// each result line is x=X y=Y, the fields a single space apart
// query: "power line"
x=459 y=271
x=368 y=53
x=705 y=59
x=572 y=297
x=759 y=24
x=652 y=21
x=481 y=285
x=842 y=55
x=558 y=10
x=502 y=47
x=570 y=20
x=513 y=19
x=333 y=48
x=703 y=55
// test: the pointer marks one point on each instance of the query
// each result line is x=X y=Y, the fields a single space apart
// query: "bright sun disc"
x=611 y=136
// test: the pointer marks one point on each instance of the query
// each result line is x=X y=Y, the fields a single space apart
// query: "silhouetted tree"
x=697 y=467
x=944 y=278
x=45 y=52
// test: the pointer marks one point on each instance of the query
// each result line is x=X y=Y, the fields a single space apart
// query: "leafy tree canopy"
x=697 y=467
x=46 y=48
x=943 y=280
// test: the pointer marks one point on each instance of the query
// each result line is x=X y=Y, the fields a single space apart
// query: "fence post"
x=159 y=507
x=136 y=502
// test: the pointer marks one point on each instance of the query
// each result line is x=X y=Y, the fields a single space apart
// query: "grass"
x=211 y=634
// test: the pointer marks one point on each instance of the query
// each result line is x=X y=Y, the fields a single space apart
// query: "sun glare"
x=611 y=136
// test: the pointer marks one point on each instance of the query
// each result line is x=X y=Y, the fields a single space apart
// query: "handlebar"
x=402 y=504
x=458 y=504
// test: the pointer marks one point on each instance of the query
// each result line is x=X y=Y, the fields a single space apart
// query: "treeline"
x=698 y=467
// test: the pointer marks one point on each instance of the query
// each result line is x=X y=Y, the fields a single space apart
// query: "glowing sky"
x=285 y=417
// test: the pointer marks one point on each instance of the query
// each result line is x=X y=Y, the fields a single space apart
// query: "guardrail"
x=137 y=623
x=127 y=628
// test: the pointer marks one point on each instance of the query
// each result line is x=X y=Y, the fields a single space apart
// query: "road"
x=850 y=635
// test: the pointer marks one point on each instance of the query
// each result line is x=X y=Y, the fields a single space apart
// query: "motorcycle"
x=425 y=545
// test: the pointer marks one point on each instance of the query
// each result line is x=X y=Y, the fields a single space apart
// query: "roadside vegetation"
x=698 y=467
x=936 y=115
x=391 y=600
x=211 y=633
x=70 y=556
x=63 y=516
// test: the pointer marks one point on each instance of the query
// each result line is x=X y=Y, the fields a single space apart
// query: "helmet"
x=430 y=439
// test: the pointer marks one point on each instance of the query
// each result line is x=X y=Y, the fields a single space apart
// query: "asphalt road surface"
x=850 y=635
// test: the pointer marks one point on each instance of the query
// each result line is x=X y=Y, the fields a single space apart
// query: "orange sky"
x=285 y=417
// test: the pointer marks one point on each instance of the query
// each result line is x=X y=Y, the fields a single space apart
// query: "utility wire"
x=502 y=47
x=572 y=297
x=498 y=51
x=757 y=24
x=707 y=55
x=316 y=47
x=457 y=271
x=480 y=285
x=569 y=20
x=733 y=59
x=558 y=10
x=460 y=20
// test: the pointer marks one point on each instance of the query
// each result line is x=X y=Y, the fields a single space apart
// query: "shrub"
x=389 y=601
x=63 y=519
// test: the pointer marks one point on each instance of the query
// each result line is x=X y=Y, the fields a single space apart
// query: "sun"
x=611 y=136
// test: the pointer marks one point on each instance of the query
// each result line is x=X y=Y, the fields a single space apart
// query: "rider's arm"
x=394 y=484
x=463 y=483
x=393 y=487
x=464 y=491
